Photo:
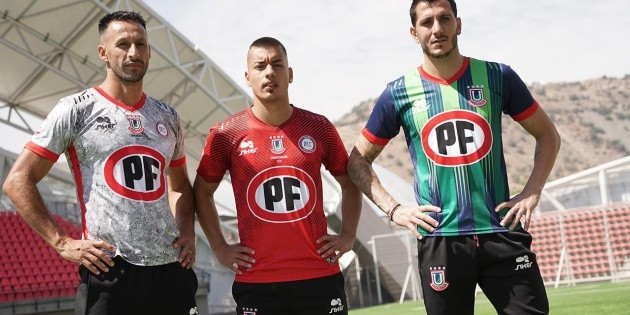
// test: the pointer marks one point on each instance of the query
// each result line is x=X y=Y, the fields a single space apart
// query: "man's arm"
x=337 y=245
x=181 y=200
x=231 y=256
x=547 y=146
x=362 y=174
x=21 y=187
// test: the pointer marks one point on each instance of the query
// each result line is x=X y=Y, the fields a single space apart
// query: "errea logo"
x=456 y=137
x=336 y=305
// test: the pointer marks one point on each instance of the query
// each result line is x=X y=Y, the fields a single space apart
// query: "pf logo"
x=456 y=137
x=281 y=194
x=135 y=172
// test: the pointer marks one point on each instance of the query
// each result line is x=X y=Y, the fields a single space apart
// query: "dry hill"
x=592 y=117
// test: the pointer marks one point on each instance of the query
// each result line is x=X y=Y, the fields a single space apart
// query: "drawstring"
x=476 y=239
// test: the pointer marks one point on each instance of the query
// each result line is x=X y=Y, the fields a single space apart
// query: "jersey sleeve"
x=179 y=155
x=215 y=159
x=335 y=155
x=383 y=123
x=56 y=132
x=518 y=102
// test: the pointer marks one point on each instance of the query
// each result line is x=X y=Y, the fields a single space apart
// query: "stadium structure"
x=48 y=50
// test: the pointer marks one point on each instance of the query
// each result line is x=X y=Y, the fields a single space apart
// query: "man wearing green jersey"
x=469 y=229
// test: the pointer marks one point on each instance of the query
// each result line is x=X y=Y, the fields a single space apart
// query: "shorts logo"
x=523 y=262
x=336 y=306
x=136 y=172
x=277 y=146
x=161 y=129
x=475 y=96
x=438 y=278
x=307 y=144
x=281 y=194
x=193 y=311
x=135 y=123
x=247 y=147
x=456 y=137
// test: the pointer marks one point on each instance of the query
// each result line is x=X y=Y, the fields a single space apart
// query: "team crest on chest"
x=277 y=146
x=307 y=144
x=135 y=123
x=161 y=129
x=476 y=96
x=438 y=278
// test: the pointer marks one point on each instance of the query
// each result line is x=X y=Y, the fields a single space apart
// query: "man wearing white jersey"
x=126 y=152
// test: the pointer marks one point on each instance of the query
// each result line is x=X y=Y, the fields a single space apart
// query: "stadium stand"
x=595 y=241
x=31 y=269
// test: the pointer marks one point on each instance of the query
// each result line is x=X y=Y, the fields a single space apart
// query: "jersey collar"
x=451 y=79
x=118 y=103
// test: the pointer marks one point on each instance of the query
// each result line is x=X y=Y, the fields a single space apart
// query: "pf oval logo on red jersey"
x=136 y=172
x=456 y=137
x=281 y=194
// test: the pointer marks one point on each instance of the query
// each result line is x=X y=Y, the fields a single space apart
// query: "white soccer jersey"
x=118 y=155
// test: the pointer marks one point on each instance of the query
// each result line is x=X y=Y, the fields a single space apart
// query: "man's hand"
x=334 y=246
x=413 y=217
x=521 y=207
x=186 y=241
x=234 y=256
x=91 y=254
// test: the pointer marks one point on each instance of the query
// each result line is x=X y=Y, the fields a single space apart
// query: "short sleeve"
x=335 y=156
x=56 y=132
x=518 y=101
x=383 y=123
x=215 y=159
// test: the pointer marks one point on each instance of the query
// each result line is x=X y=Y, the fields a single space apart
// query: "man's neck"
x=443 y=68
x=274 y=113
x=128 y=94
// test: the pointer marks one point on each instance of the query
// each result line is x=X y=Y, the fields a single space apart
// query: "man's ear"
x=290 y=75
x=101 y=53
x=414 y=35
x=247 y=79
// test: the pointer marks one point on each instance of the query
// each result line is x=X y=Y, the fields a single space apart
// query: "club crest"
x=476 y=96
x=277 y=146
x=438 y=278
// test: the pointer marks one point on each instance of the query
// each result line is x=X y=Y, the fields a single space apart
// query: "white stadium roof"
x=48 y=51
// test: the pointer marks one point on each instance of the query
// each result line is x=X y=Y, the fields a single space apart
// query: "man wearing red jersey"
x=286 y=262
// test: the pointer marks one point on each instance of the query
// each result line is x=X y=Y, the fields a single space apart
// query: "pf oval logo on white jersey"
x=136 y=172
x=456 y=137
x=281 y=194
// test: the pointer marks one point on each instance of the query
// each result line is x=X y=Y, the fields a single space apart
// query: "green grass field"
x=600 y=299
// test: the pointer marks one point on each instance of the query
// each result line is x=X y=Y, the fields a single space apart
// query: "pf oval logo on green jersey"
x=281 y=194
x=456 y=137
x=136 y=172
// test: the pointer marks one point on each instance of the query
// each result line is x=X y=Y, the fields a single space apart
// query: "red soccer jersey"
x=276 y=179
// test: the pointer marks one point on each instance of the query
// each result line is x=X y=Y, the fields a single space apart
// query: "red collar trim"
x=451 y=79
x=118 y=103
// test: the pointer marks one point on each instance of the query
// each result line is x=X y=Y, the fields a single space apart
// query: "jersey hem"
x=41 y=151
x=526 y=113
x=372 y=138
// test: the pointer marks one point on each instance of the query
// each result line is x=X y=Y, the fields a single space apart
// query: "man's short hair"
x=414 y=4
x=265 y=42
x=120 y=16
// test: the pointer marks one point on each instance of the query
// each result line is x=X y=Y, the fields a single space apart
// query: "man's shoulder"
x=85 y=97
x=162 y=106
x=309 y=115
x=235 y=121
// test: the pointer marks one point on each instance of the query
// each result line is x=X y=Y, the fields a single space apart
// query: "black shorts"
x=131 y=289
x=317 y=296
x=501 y=263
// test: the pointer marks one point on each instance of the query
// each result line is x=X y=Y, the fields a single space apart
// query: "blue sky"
x=344 y=52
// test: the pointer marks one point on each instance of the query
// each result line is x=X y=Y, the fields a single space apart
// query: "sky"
x=345 y=51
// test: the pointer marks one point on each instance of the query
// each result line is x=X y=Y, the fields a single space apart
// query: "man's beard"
x=426 y=50
x=129 y=77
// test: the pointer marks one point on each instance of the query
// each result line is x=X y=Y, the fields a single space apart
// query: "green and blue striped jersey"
x=453 y=131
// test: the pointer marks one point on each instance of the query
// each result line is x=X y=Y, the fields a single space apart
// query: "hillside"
x=592 y=117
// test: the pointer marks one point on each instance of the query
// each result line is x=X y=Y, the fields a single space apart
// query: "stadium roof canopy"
x=48 y=51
